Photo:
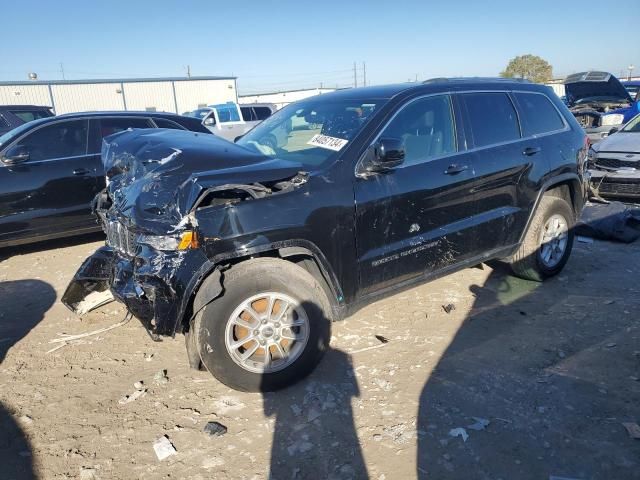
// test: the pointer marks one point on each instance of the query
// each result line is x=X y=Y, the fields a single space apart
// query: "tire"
x=529 y=261
x=260 y=283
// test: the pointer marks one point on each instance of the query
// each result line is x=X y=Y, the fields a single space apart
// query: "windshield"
x=310 y=132
x=199 y=113
x=633 y=125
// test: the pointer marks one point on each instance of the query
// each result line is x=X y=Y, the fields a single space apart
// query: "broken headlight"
x=611 y=119
x=184 y=241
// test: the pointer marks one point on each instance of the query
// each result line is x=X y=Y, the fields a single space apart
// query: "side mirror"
x=16 y=154
x=613 y=130
x=210 y=121
x=387 y=153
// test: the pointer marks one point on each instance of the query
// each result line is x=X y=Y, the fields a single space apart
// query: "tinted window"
x=426 y=126
x=103 y=127
x=62 y=139
x=30 y=115
x=538 y=114
x=492 y=117
x=3 y=122
x=262 y=112
x=247 y=114
x=164 y=123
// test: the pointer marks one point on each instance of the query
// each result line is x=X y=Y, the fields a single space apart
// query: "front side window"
x=60 y=140
x=538 y=114
x=228 y=112
x=311 y=132
x=426 y=128
x=492 y=117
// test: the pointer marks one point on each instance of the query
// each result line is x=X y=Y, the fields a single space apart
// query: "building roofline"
x=113 y=80
x=290 y=91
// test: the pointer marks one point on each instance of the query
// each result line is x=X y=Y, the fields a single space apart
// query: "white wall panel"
x=25 y=95
x=192 y=93
x=144 y=95
x=87 y=97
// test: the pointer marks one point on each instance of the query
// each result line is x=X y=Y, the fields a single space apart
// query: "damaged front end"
x=156 y=256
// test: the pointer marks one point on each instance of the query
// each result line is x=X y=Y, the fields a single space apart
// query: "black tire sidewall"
x=242 y=284
x=556 y=206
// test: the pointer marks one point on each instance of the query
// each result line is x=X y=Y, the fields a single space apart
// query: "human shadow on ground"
x=548 y=365
x=314 y=434
x=23 y=305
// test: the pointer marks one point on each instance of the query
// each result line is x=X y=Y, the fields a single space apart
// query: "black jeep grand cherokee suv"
x=252 y=249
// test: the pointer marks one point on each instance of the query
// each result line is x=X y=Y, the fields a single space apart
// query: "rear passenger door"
x=415 y=218
x=503 y=161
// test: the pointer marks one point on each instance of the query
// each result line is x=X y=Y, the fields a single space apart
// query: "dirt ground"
x=541 y=378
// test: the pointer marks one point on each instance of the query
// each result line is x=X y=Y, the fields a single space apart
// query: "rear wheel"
x=548 y=242
x=269 y=329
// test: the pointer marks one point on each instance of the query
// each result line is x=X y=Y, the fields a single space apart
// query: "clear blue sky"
x=292 y=44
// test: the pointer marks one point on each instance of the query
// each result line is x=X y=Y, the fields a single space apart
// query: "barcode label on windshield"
x=330 y=143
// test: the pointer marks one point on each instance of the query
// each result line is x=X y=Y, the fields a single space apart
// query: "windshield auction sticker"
x=330 y=143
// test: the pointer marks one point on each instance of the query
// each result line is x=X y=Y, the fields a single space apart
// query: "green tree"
x=528 y=66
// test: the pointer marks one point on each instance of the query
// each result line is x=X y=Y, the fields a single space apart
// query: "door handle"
x=80 y=171
x=455 y=169
x=531 y=151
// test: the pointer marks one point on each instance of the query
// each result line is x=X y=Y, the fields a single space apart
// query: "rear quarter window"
x=262 y=112
x=538 y=114
x=492 y=118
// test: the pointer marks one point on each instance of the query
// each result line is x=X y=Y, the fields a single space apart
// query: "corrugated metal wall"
x=125 y=95
x=25 y=95
x=282 y=99
x=194 y=93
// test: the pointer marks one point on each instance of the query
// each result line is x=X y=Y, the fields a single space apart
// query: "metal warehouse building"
x=282 y=99
x=172 y=94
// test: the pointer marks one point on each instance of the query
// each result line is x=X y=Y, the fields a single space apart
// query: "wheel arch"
x=209 y=282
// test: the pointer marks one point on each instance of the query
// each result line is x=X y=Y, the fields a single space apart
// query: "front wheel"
x=269 y=329
x=548 y=242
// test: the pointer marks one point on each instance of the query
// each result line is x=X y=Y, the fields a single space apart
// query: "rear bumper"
x=154 y=286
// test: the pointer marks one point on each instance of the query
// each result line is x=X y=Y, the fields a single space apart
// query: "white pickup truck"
x=230 y=120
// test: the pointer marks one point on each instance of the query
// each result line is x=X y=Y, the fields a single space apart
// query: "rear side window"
x=492 y=117
x=262 y=112
x=426 y=128
x=30 y=115
x=248 y=114
x=103 y=127
x=538 y=114
x=60 y=140
x=164 y=123
x=3 y=122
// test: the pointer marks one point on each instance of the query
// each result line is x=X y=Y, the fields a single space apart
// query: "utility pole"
x=364 y=74
x=355 y=75
x=188 y=71
x=62 y=70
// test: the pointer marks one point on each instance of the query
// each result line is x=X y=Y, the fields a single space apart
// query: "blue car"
x=633 y=87
x=599 y=102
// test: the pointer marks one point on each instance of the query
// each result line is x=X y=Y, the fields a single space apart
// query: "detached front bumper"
x=616 y=184
x=155 y=286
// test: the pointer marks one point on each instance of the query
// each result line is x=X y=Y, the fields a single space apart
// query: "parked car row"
x=50 y=170
x=371 y=190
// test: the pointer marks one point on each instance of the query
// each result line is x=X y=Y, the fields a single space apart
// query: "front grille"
x=120 y=237
x=587 y=121
x=619 y=188
x=615 y=163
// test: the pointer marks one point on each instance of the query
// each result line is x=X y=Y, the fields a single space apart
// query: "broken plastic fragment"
x=163 y=448
x=459 y=432
x=480 y=424
x=215 y=429
x=93 y=301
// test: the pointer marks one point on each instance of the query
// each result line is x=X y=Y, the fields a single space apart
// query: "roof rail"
x=475 y=79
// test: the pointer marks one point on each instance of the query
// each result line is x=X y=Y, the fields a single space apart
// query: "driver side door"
x=414 y=218
x=50 y=192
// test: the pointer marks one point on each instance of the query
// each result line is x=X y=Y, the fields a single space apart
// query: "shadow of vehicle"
x=535 y=382
x=24 y=303
x=314 y=433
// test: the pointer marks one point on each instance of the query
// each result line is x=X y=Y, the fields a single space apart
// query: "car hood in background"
x=155 y=176
x=594 y=84
x=626 y=142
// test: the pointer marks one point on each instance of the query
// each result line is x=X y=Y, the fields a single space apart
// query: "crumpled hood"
x=628 y=142
x=594 y=84
x=155 y=176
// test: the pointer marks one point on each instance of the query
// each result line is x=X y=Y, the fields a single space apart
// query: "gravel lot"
x=541 y=378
